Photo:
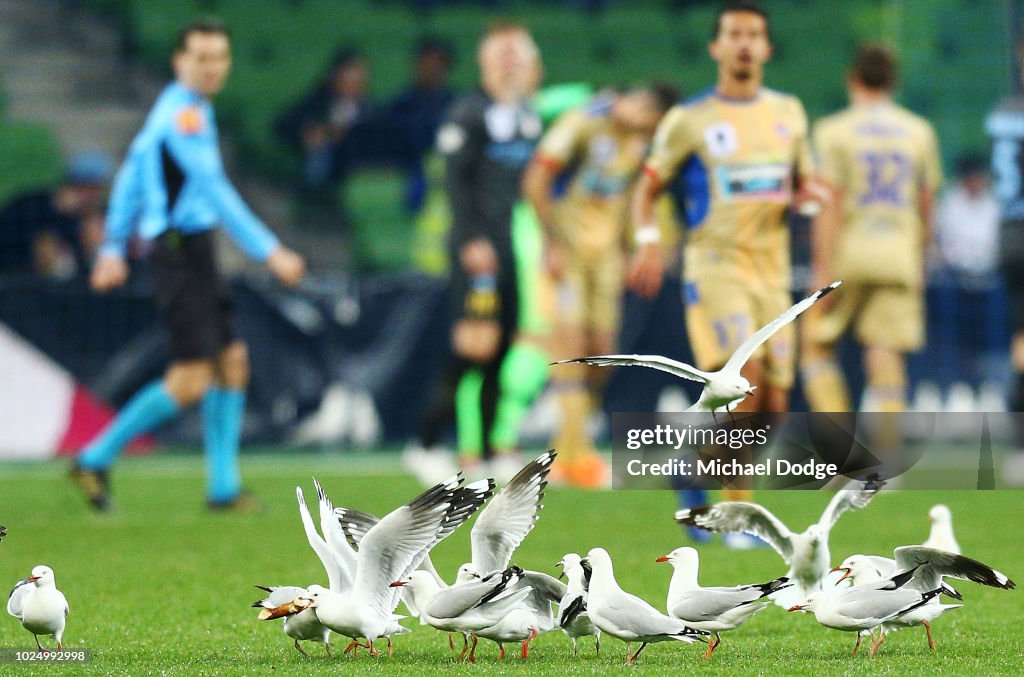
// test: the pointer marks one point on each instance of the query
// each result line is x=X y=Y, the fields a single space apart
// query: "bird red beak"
x=663 y=558
x=33 y=579
x=846 y=573
x=798 y=607
x=397 y=584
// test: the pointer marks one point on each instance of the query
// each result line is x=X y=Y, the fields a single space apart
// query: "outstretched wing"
x=339 y=576
x=750 y=518
x=278 y=595
x=332 y=531
x=398 y=543
x=747 y=348
x=854 y=496
x=509 y=517
x=355 y=524
x=16 y=600
x=932 y=564
x=680 y=369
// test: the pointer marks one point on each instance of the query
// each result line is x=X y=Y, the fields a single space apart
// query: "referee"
x=172 y=190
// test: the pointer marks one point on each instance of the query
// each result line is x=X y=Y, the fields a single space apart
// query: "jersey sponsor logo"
x=721 y=139
x=751 y=182
x=450 y=138
x=189 y=120
x=515 y=153
x=603 y=149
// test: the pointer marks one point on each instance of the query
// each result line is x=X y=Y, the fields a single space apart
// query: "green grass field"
x=162 y=587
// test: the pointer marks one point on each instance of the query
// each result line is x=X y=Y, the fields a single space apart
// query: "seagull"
x=806 y=553
x=573 y=618
x=300 y=622
x=390 y=551
x=725 y=386
x=499 y=529
x=625 y=616
x=40 y=606
x=941 y=535
x=863 y=608
x=713 y=609
x=930 y=566
x=491 y=605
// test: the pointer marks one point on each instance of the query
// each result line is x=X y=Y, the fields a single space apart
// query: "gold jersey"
x=606 y=161
x=737 y=161
x=880 y=157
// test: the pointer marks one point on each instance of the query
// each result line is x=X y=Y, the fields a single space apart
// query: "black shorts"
x=191 y=296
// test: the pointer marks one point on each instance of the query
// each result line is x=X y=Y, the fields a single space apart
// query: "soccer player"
x=603 y=143
x=741 y=152
x=172 y=190
x=487 y=140
x=881 y=163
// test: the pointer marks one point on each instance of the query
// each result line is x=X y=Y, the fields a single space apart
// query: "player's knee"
x=602 y=342
x=234 y=365
x=524 y=371
x=884 y=366
x=189 y=382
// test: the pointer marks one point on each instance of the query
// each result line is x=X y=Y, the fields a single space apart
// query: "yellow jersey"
x=737 y=162
x=605 y=160
x=881 y=157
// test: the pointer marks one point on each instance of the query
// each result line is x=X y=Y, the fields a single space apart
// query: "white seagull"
x=40 y=606
x=725 y=386
x=390 y=551
x=573 y=617
x=499 y=529
x=863 y=608
x=806 y=553
x=713 y=609
x=625 y=616
x=930 y=565
x=941 y=534
x=301 y=623
x=492 y=604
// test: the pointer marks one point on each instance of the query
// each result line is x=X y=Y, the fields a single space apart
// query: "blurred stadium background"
x=347 y=360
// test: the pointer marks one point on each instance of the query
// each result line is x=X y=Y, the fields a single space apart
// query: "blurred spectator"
x=55 y=232
x=324 y=126
x=416 y=113
x=969 y=299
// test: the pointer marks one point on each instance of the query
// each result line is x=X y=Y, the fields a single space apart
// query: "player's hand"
x=287 y=266
x=646 y=271
x=110 y=272
x=478 y=258
x=476 y=340
x=812 y=197
x=555 y=258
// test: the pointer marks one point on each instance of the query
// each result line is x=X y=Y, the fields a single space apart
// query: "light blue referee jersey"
x=173 y=178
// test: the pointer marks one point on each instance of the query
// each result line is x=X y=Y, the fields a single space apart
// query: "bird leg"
x=353 y=646
x=597 y=645
x=876 y=642
x=501 y=651
x=632 y=659
x=451 y=643
x=391 y=648
x=299 y=649
x=472 y=652
x=731 y=417
x=712 y=643
x=928 y=629
x=526 y=642
x=373 y=651
x=327 y=648
x=575 y=648
x=465 y=647
x=60 y=646
x=38 y=645
x=857 y=645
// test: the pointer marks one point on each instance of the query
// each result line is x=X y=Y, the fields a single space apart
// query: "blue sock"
x=150 y=407
x=223 y=412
